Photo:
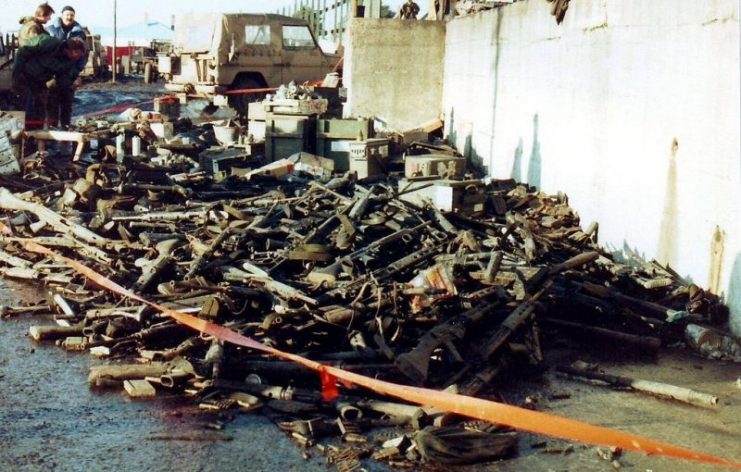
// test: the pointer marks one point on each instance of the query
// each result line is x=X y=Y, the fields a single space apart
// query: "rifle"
x=415 y=363
x=329 y=274
x=384 y=273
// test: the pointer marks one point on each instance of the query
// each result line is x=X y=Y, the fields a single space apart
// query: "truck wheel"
x=240 y=102
x=148 y=73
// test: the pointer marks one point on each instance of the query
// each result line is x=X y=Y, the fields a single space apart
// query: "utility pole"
x=115 y=37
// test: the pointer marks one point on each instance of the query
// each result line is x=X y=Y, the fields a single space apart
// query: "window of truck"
x=257 y=35
x=297 y=37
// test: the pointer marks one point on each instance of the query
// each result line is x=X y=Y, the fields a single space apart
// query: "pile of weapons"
x=343 y=272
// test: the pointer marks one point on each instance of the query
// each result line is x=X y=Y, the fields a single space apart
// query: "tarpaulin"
x=519 y=418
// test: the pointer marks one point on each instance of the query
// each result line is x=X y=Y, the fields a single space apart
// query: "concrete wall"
x=631 y=107
x=393 y=70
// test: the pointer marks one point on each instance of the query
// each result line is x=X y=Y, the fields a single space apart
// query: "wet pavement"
x=95 y=97
x=51 y=421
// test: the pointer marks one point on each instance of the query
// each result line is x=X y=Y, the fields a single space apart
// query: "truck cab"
x=215 y=53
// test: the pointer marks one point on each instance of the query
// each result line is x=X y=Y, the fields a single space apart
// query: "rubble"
x=365 y=274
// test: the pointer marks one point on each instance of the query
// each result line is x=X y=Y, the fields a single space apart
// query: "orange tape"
x=520 y=418
x=250 y=91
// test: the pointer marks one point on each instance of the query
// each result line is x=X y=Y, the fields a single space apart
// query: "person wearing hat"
x=45 y=63
x=34 y=25
x=59 y=103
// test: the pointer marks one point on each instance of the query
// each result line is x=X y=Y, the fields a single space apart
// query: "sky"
x=99 y=13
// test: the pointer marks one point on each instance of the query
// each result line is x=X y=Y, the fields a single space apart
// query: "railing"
x=328 y=18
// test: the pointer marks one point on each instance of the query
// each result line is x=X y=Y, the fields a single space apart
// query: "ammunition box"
x=286 y=135
x=218 y=159
x=333 y=139
x=464 y=196
x=429 y=165
x=285 y=106
x=377 y=147
x=370 y=157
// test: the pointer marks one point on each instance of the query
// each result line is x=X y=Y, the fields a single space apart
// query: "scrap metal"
x=328 y=267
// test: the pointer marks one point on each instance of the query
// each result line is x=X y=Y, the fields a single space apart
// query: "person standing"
x=60 y=99
x=34 y=25
x=44 y=63
x=409 y=10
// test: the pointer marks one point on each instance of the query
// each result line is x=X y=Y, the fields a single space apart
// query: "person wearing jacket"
x=59 y=103
x=34 y=25
x=409 y=10
x=44 y=63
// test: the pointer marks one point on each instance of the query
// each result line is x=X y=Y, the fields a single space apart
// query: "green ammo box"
x=288 y=134
x=333 y=138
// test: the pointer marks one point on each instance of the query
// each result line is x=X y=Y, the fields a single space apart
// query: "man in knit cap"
x=59 y=103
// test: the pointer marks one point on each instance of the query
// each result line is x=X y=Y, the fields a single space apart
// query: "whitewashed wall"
x=631 y=107
x=394 y=70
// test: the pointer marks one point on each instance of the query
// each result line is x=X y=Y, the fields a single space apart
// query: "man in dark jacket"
x=59 y=104
x=409 y=10
x=44 y=63
x=34 y=25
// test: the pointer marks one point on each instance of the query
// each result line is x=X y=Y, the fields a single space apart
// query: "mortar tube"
x=43 y=333
x=349 y=412
x=175 y=378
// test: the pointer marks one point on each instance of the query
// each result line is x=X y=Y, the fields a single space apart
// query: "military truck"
x=144 y=60
x=215 y=53
x=96 y=62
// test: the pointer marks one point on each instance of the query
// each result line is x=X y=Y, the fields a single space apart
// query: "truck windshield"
x=297 y=37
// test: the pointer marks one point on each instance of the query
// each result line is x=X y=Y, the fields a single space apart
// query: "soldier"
x=44 y=63
x=409 y=10
x=59 y=105
x=34 y=25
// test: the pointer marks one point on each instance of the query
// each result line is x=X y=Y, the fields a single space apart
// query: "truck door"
x=303 y=59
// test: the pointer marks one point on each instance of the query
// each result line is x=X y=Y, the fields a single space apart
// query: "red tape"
x=520 y=418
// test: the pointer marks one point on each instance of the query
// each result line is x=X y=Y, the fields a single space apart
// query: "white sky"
x=94 y=13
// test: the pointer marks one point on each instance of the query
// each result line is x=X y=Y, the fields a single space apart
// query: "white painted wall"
x=631 y=107
x=393 y=70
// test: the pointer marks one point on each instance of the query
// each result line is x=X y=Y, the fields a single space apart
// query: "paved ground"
x=51 y=420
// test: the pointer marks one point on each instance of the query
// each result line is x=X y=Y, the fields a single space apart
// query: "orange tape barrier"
x=250 y=91
x=520 y=418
